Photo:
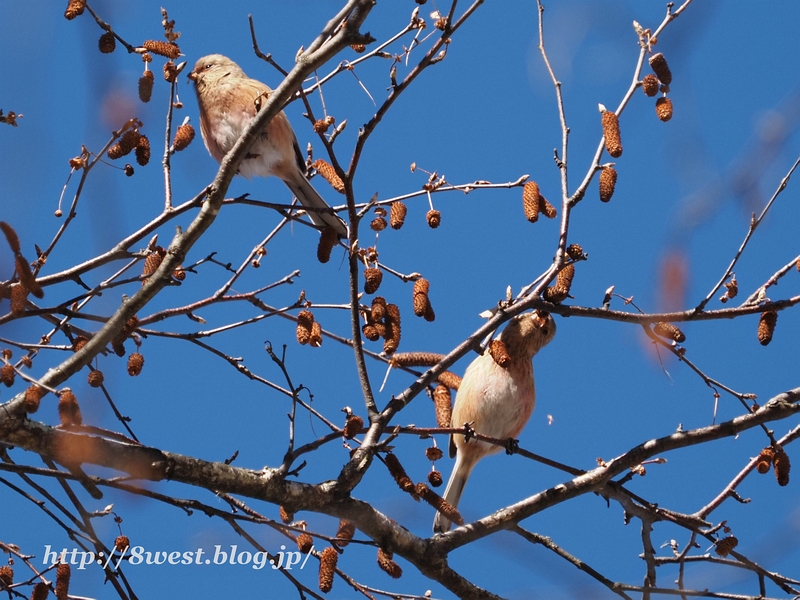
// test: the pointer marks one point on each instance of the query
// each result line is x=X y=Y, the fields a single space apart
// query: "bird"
x=228 y=100
x=495 y=401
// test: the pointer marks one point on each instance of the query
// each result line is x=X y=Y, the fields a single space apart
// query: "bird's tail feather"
x=310 y=198
x=452 y=494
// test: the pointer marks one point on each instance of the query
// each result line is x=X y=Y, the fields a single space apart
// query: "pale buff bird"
x=228 y=101
x=496 y=401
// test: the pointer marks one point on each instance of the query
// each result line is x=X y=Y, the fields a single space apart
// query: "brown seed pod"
x=434 y=218
x=378 y=224
x=575 y=252
x=439 y=503
x=415 y=359
x=398 y=473
x=128 y=170
x=370 y=332
x=7 y=374
x=611 y=132
x=358 y=48
x=731 y=289
x=96 y=378
x=11 y=237
x=659 y=65
x=499 y=352
x=168 y=49
x=183 y=137
x=7 y=575
x=724 y=546
x=435 y=478
x=449 y=379
x=27 y=361
x=352 y=426
x=664 y=109
x=782 y=466
x=305 y=543
x=147 y=57
x=19 y=300
x=765 y=459
x=305 y=320
x=345 y=533
x=386 y=563
x=143 y=151
x=378 y=308
x=328 y=173
x=669 y=331
x=126 y=143
x=608 y=181
x=650 y=85
x=443 y=402
x=321 y=126
x=372 y=279
x=68 y=410
x=63 y=574
x=327 y=240
x=152 y=262
x=422 y=303
x=170 y=72
x=285 y=516
x=41 y=589
x=122 y=543
x=560 y=291
x=531 y=199
x=548 y=210
x=146 y=82
x=179 y=274
x=7 y=353
x=33 y=395
x=79 y=342
x=397 y=214
x=107 y=43
x=26 y=278
x=74 y=9
x=433 y=453
x=135 y=364
x=392 y=335
x=315 y=339
x=327 y=568
x=766 y=326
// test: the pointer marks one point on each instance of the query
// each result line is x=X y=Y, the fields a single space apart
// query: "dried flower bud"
x=443 y=403
x=79 y=342
x=107 y=43
x=435 y=478
x=548 y=210
x=449 y=379
x=6 y=575
x=370 y=332
x=328 y=173
x=782 y=466
x=659 y=65
x=11 y=237
x=378 y=308
x=19 y=300
x=608 y=181
x=439 y=503
x=386 y=563
x=74 y=9
x=123 y=147
x=372 y=279
x=358 y=48
x=179 y=274
x=531 y=199
x=63 y=574
x=611 y=132
x=168 y=49
x=433 y=453
x=415 y=359
x=135 y=364
x=305 y=320
x=285 y=516
x=305 y=543
x=68 y=410
x=421 y=301
x=397 y=471
x=170 y=72
x=128 y=170
x=345 y=533
x=498 y=351
x=731 y=289
x=146 y=82
x=397 y=214
x=352 y=426
x=96 y=378
x=392 y=335
x=560 y=291
x=147 y=57
x=143 y=151
x=7 y=353
x=327 y=240
x=650 y=85
x=724 y=546
x=664 y=109
x=32 y=397
x=152 y=262
x=7 y=374
x=575 y=252
x=315 y=339
x=766 y=326
x=378 y=224
x=183 y=137
x=27 y=361
x=327 y=568
x=41 y=589
x=669 y=331
x=26 y=278
x=122 y=543
x=321 y=126
x=434 y=218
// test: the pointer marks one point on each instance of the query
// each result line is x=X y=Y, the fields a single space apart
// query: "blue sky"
x=686 y=191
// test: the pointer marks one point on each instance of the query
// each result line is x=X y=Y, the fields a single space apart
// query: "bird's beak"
x=180 y=66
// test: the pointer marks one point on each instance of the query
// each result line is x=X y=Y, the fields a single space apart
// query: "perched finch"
x=496 y=401
x=228 y=101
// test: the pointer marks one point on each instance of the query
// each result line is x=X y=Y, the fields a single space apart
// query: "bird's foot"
x=512 y=446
